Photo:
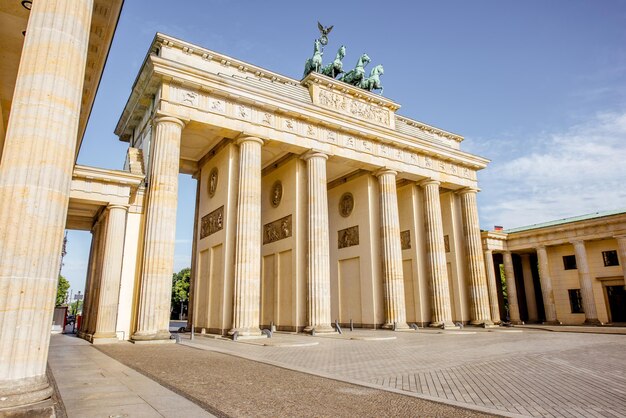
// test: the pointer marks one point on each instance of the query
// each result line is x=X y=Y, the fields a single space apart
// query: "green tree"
x=62 y=289
x=180 y=285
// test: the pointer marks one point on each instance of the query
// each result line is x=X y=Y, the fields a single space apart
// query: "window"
x=576 y=301
x=569 y=262
x=610 y=258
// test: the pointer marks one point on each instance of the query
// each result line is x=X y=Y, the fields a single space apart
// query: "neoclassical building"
x=316 y=202
x=569 y=271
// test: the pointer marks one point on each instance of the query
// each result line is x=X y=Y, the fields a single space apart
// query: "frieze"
x=405 y=240
x=328 y=98
x=212 y=222
x=353 y=107
x=277 y=230
x=348 y=237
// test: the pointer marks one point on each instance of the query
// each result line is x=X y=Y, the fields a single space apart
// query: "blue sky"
x=538 y=87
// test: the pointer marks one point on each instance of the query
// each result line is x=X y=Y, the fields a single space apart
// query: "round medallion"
x=346 y=204
x=324 y=40
x=212 y=182
x=276 y=193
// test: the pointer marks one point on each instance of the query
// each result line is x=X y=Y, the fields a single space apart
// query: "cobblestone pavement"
x=227 y=385
x=529 y=372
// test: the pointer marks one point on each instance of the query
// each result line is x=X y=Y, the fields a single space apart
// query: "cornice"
x=107 y=176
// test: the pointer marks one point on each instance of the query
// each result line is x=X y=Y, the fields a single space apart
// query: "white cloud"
x=552 y=176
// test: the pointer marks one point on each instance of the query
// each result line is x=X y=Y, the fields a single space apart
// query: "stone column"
x=153 y=315
x=494 y=306
x=586 y=286
x=318 y=308
x=511 y=288
x=479 y=297
x=621 y=245
x=393 y=278
x=35 y=176
x=436 y=253
x=89 y=282
x=106 y=322
x=546 y=286
x=529 y=288
x=94 y=284
x=246 y=309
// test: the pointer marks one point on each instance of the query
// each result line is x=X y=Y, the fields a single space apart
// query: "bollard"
x=351 y=325
x=235 y=335
x=337 y=327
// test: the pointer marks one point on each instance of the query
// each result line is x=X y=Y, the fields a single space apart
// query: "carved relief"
x=290 y=124
x=188 y=97
x=212 y=186
x=348 y=237
x=243 y=112
x=277 y=230
x=267 y=118
x=354 y=107
x=428 y=162
x=331 y=137
x=446 y=243
x=276 y=193
x=405 y=239
x=346 y=204
x=212 y=222
x=310 y=130
x=217 y=105
x=350 y=142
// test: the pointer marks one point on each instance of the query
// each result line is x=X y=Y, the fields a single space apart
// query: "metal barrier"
x=267 y=332
x=337 y=327
x=414 y=326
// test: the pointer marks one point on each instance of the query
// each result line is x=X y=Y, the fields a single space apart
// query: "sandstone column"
x=621 y=245
x=160 y=232
x=546 y=286
x=511 y=288
x=35 y=176
x=91 y=272
x=494 y=306
x=586 y=286
x=436 y=253
x=479 y=297
x=318 y=308
x=529 y=288
x=106 y=321
x=246 y=309
x=393 y=278
x=94 y=284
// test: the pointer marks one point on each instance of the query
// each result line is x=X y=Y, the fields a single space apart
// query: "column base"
x=482 y=322
x=443 y=325
x=148 y=336
x=247 y=333
x=517 y=322
x=22 y=393
x=556 y=322
x=397 y=327
x=593 y=321
x=319 y=329
x=44 y=409
x=101 y=340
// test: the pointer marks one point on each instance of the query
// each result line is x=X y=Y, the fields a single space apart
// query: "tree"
x=62 y=289
x=180 y=289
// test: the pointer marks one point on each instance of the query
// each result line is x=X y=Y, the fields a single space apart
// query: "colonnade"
x=158 y=251
x=546 y=282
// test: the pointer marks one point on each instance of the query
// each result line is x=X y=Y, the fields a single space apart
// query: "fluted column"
x=436 y=252
x=494 y=306
x=479 y=297
x=393 y=278
x=106 y=321
x=546 y=286
x=160 y=233
x=89 y=282
x=621 y=245
x=318 y=307
x=511 y=288
x=35 y=176
x=94 y=285
x=529 y=288
x=246 y=309
x=586 y=286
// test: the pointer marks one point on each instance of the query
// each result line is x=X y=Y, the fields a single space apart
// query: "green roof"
x=566 y=220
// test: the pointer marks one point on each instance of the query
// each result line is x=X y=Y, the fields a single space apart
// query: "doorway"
x=616 y=296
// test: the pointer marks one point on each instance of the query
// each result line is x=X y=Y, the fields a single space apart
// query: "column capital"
x=427 y=182
x=620 y=236
x=384 y=171
x=117 y=206
x=314 y=153
x=576 y=242
x=488 y=251
x=541 y=247
x=171 y=119
x=467 y=190
x=525 y=255
x=245 y=138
